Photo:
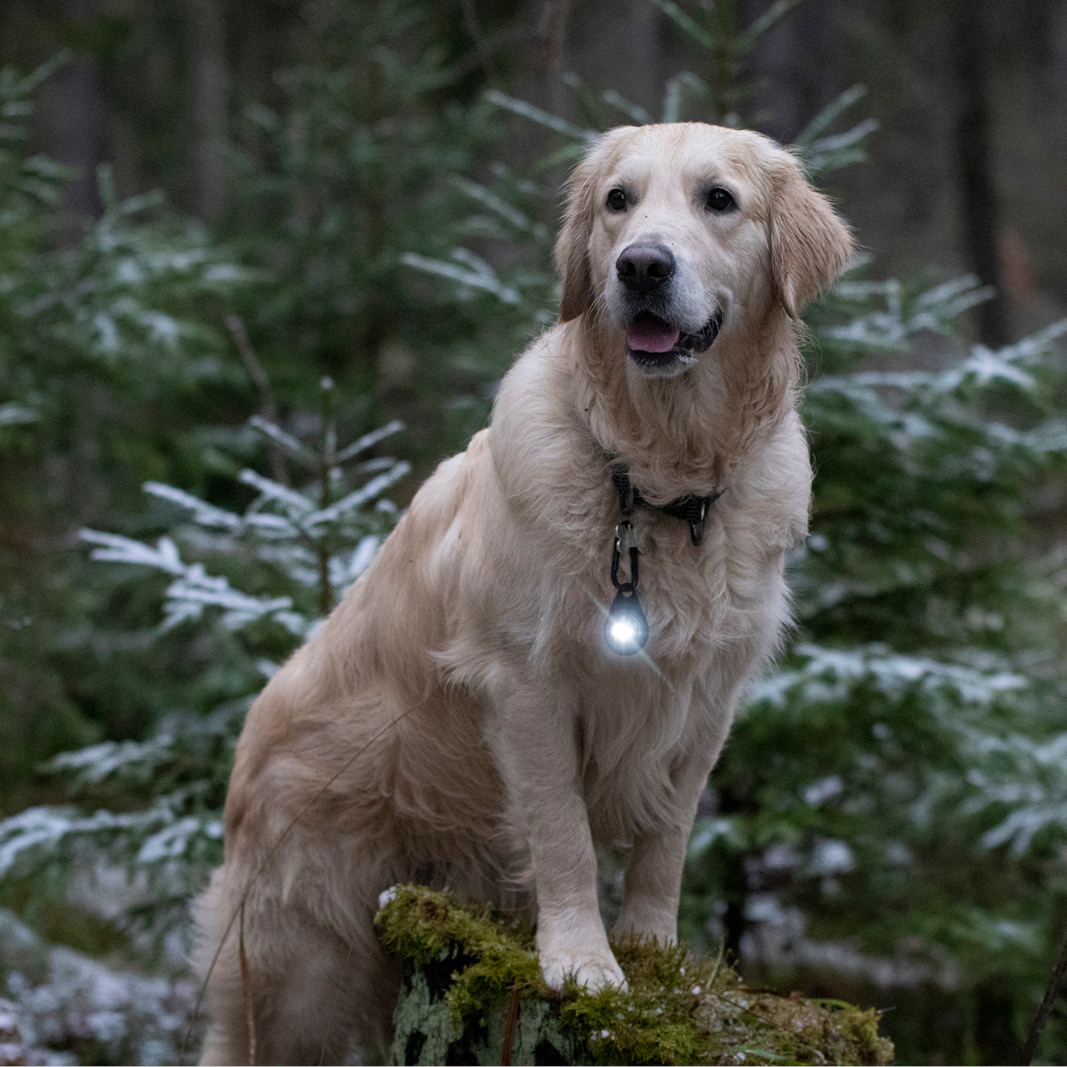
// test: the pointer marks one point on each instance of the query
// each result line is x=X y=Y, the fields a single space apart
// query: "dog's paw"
x=595 y=971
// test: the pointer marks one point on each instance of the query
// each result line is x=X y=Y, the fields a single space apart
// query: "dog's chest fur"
x=715 y=610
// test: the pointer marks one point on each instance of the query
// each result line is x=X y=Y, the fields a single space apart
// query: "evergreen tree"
x=364 y=159
x=254 y=583
x=109 y=360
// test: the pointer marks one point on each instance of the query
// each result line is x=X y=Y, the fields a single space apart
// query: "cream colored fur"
x=458 y=719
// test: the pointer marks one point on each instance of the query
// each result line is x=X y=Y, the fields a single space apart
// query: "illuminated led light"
x=626 y=629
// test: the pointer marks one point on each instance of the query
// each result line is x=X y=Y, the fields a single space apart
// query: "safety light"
x=626 y=629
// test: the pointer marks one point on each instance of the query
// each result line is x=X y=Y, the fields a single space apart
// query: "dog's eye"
x=617 y=200
x=720 y=200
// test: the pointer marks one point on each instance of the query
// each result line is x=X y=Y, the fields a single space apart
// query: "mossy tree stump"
x=472 y=994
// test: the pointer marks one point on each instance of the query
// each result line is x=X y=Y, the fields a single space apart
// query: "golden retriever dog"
x=477 y=712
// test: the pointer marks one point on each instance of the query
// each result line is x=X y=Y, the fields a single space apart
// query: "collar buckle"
x=692 y=508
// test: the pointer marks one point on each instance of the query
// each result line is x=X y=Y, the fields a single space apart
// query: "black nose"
x=644 y=267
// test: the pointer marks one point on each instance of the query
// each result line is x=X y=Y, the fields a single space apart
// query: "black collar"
x=692 y=508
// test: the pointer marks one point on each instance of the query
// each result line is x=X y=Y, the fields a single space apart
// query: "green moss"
x=467 y=970
x=490 y=951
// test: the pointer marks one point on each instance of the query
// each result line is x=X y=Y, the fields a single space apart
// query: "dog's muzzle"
x=645 y=270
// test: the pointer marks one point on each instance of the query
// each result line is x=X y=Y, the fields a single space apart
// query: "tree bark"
x=208 y=87
x=556 y=16
x=978 y=196
x=72 y=124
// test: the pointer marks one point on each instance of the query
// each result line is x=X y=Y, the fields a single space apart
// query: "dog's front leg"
x=653 y=886
x=654 y=872
x=537 y=755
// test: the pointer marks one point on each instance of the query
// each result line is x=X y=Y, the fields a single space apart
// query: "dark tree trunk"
x=72 y=123
x=556 y=15
x=795 y=70
x=208 y=81
x=978 y=197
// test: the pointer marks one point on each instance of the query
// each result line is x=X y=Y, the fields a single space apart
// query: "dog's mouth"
x=653 y=343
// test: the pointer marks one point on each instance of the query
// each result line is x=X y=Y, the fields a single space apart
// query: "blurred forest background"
x=261 y=265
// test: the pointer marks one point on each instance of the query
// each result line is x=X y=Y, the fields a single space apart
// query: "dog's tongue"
x=648 y=333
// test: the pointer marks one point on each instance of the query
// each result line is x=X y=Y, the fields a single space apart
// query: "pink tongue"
x=647 y=333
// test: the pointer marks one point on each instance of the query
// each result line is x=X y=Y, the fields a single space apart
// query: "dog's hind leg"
x=303 y=993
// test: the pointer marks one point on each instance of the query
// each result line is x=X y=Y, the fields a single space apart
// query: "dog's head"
x=675 y=232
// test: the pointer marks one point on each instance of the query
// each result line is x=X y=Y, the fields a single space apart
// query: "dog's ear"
x=809 y=242
x=572 y=247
